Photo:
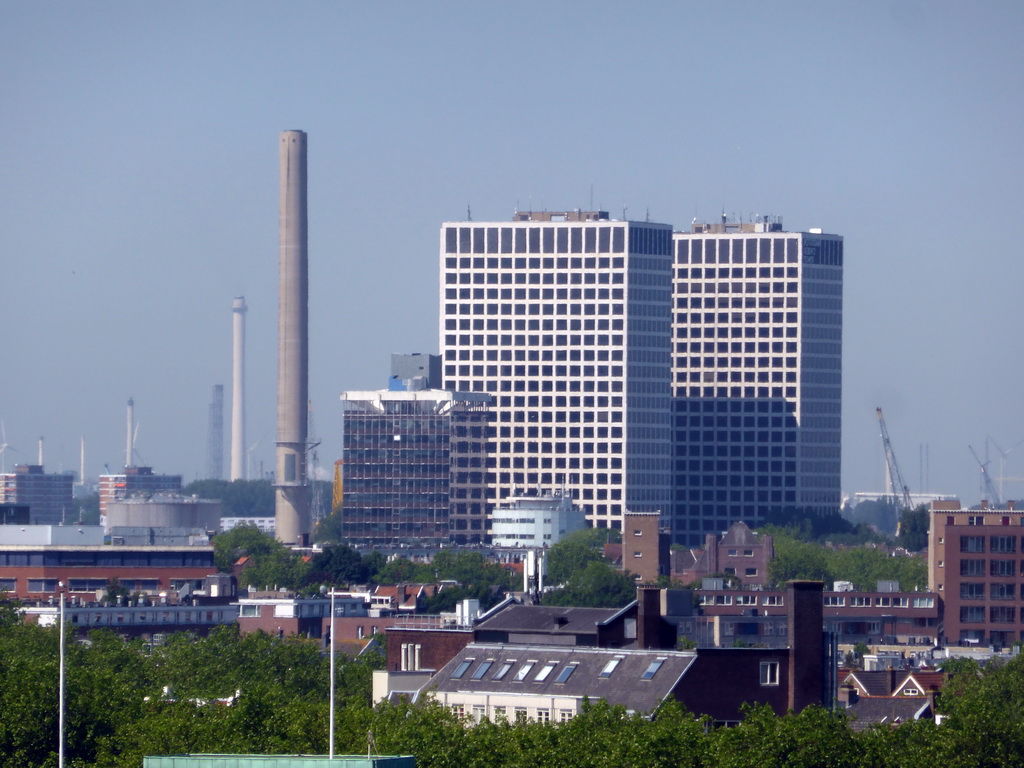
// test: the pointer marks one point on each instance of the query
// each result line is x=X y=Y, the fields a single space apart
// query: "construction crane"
x=986 y=480
x=900 y=491
x=316 y=501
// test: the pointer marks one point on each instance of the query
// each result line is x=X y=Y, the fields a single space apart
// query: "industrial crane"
x=900 y=491
x=986 y=479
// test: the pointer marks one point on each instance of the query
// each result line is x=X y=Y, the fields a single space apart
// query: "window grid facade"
x=415 y=467
x=566 y=324
x=757 y=369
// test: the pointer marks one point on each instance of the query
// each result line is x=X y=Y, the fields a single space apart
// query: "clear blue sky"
x=138 y=193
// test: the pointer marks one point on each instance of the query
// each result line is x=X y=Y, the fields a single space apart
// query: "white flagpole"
x=60 y=716
x=331 y=729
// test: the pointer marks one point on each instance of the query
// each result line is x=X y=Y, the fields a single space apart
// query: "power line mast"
x=899 y=489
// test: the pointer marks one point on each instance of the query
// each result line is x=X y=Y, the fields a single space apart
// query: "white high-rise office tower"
x=757 y=374
x=564 y=318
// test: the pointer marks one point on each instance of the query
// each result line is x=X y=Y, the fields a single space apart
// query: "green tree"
x=575 y=551
x=913 y=528
x=598 y=585
x=337 y=565
x=272 y=563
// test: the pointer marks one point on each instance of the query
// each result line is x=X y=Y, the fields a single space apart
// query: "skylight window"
x=565 y=674
x=610 y=667
x=503 y=670
x=544 y=672
x=652 y=669
x=524 y=671
x=461 y=669
x=482 y=670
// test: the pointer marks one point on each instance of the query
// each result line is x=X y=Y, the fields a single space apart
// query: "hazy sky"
x=138 y=193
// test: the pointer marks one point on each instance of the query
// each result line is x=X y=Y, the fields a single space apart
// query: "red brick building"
x=975 y=566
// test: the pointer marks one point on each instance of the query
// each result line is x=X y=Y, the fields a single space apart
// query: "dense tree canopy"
x=128 y=699
x=575 y=551
x=864 y=566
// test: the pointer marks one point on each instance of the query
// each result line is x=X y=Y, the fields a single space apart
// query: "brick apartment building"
x=975 y=566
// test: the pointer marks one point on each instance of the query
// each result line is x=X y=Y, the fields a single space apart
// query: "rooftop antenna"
x=469 y=213
x=591 y=197
x=624 y=209
x=647 y=215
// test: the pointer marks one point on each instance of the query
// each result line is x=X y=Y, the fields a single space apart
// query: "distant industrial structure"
x=292 y=495
x=238 y=468
x=215 y=436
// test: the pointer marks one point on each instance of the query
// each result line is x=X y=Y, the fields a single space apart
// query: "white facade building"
x=757 y=374
x=565 y=319
x=535 y=520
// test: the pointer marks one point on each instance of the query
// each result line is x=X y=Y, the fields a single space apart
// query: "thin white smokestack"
x=40 y=451
x=292 y=501
x=129 y=446
x=238 y=310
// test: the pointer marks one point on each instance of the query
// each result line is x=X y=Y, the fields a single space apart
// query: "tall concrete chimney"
x=129 y=446
x=292 y=501
x=238 y=310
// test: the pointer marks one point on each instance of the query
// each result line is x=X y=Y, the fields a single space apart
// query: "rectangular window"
x=249 y=611
x=461 y=669
x=972 y=544
x=543 y=715
x=610 y=667
x=652 y=669
x=1002 y=567
x=1003 y=591
x=42 y=585
x=566 y=673
x=524 y=671
x=972 y=614
x=972 y=591
x=544 y=672
x=480 y=671
x=1003 y=545
x=503 y=670
x=972 y=567
x=769 y=673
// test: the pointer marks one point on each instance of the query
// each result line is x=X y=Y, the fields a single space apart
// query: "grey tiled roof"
x=879 y=710
x=623 y=686
x=538 y=618
x=874 y=683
